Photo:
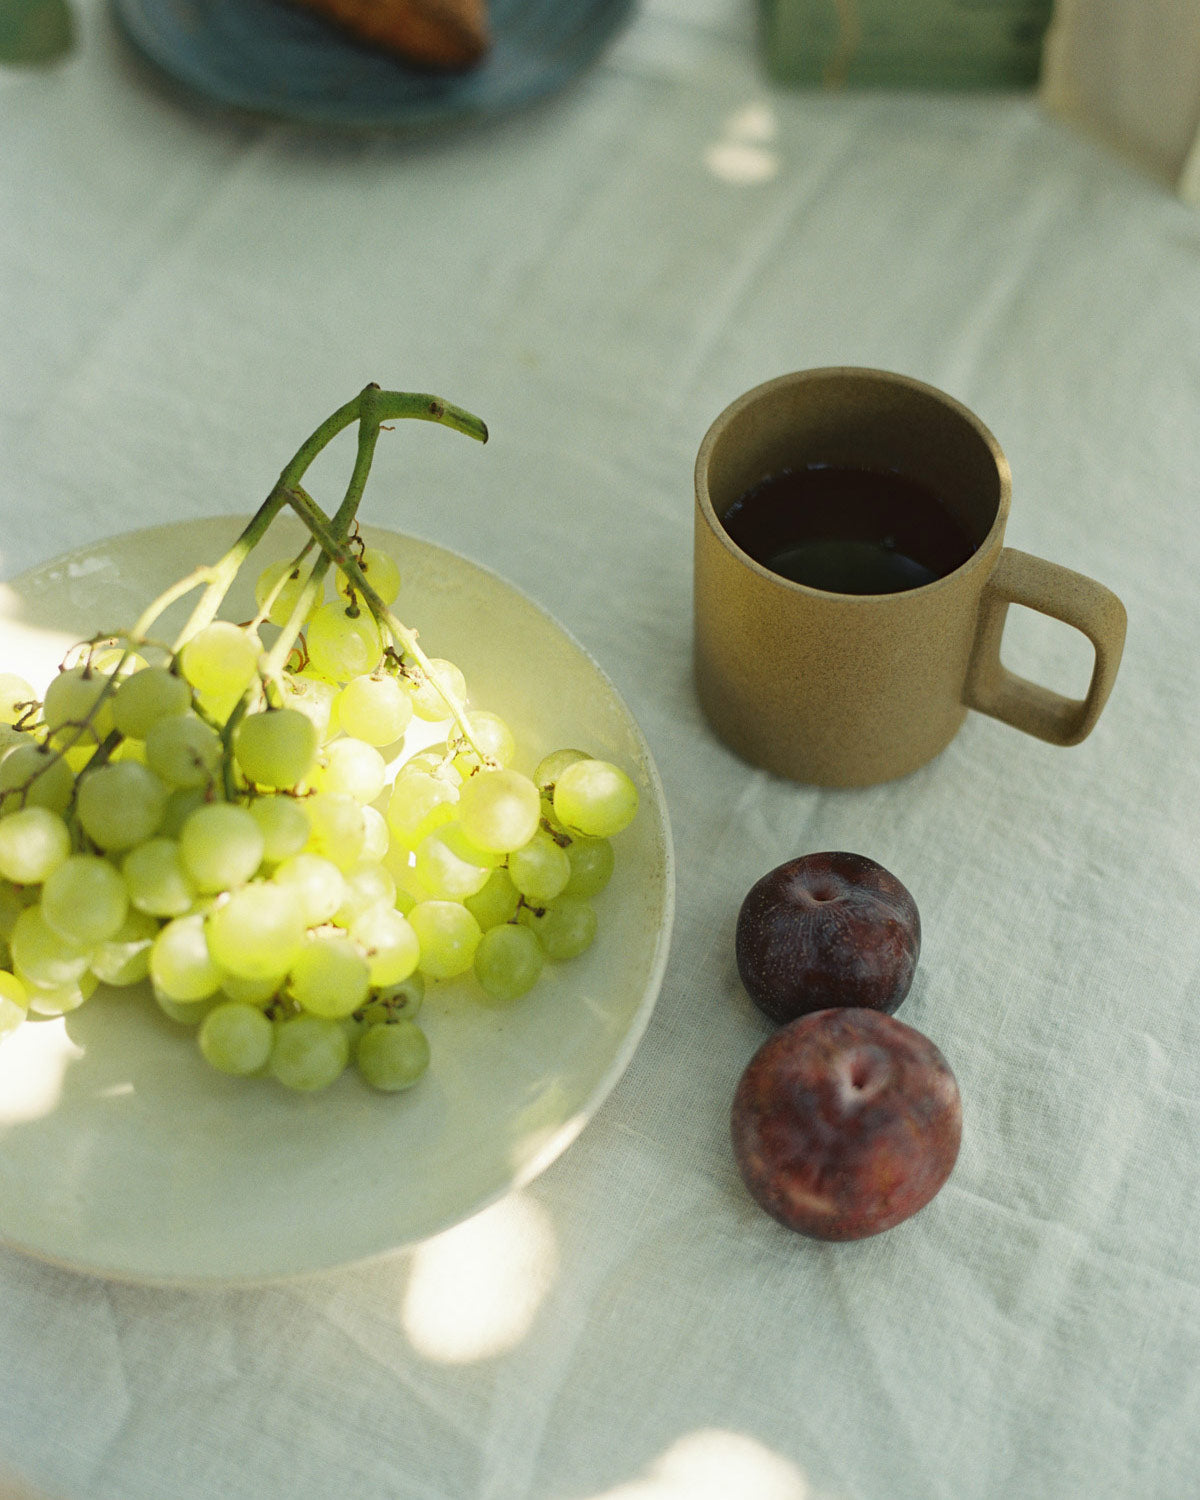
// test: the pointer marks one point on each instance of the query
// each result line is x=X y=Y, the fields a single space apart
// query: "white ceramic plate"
x=122 y=1154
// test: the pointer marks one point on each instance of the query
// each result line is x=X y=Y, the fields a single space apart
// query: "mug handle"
x=1020 y=578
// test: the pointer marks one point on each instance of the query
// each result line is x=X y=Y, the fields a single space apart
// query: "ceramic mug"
x=840 y=689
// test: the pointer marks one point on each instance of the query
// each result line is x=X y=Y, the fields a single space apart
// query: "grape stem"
x=339 y=527
x=334 y=548
x=370 y=408
x=280 y=584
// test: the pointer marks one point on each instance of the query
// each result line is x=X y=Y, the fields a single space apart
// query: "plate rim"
x=567 y=1132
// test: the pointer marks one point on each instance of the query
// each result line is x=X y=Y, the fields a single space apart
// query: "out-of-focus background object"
x=1128 y=72
x=13 y=1489
x=35 y=32
x=281 y=62
x=951 y=44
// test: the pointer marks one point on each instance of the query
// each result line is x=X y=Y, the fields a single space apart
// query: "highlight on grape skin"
x=250 y=820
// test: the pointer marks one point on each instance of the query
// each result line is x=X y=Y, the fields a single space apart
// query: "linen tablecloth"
x=183 y=294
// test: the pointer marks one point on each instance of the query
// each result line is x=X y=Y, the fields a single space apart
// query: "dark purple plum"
x=845 y=1123
x=827 y=929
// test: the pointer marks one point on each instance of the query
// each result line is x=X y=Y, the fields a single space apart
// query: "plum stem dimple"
x=863 y=1074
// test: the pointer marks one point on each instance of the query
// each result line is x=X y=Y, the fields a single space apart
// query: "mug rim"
x=865 y=374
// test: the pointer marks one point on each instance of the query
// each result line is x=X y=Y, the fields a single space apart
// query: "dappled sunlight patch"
x=474 y=1291
x=33 y=1065
x=742 y=153
x=714 y=1464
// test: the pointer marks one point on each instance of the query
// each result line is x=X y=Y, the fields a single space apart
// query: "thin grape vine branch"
x=372 y=408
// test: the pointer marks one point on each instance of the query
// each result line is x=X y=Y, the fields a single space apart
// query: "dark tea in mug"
x=848 y=530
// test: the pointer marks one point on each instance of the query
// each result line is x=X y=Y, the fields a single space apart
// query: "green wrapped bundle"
x=936 y=44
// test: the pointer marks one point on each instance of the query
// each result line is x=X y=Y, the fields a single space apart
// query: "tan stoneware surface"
x=849 y=690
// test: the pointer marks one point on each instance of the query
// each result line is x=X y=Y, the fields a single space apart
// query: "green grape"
x=124 y=958
x=221 y=661
x=409 y=890
x=392 y=1056
x=11 y=737
x=309 y=1052
x=118 y=662
x=184 y=751
x=591 y=866
x=353 y=1025
x=316 y=885
x=75 y=697
x=181 y=966
x=350 y=768
x=374 y=709
x=396 y=1001
x=381 y=573
x=276 y=748
x=79 y=755
x=508 y=961
x=499 y=810
x=14 y=997
x=368 y=884
x=85 y=900
x=376 y=836
x=258 y=992
x=120 y=805
x=492 y=738
x=127 y=750
x=185 y=1012
x=314 y=698
x=447 y=934
x=565 y=928
x=497 y=902
x=434 y=695
x=220 y=847
x=337 y=828
x=330 y=976
x=13 y=902
x=551 y=766
x=59 y=999
x=181 y=804
x=436 y=760
x=283 y=824
x=43 y=955
x=257 y=932
x=390 y=944
x=448 y=867
x=288 y=596
x=33 y=843
x=152 y=694
x=342 y=645
x=539 y=869
x=236 y=1038
x=418 y=804
x=156 y=880
x=16 y=695
x=594 y=797
x=32 y=776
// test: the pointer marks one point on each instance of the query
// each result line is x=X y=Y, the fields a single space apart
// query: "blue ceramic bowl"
x=271 y=58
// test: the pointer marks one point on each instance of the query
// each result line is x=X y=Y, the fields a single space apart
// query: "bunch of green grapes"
x=236 y=835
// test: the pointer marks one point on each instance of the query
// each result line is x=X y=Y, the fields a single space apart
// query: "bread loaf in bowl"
x=445 y=34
